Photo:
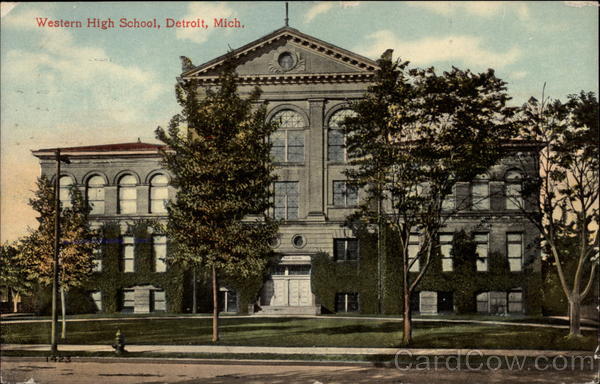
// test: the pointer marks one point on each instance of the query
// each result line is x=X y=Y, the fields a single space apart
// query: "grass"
x=303 y=332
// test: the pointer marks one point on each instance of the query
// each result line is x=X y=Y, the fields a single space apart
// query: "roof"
x=360 y=61
x=124 y=148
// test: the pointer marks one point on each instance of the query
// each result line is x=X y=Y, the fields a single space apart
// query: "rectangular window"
x=96 y=199
x=287 y=146
x=445 y=248
x=128 y=254
x=449 y=202
x=514 y=250
x=481 y=239
x=346 y=302
x=515 y=302
x=286 y=200
x=128 y=300
x=483 y=305
x=159 y=302
x=159 y=244
x=298 y=269
x=414 y=246
x=127 y=199
x=344 y=195
x=158 y=198
x=480 y=195
x=498 y=302
x=97 y=258
x=514 y=198
x=345 y=249
x=97 y=297
x=335 y=145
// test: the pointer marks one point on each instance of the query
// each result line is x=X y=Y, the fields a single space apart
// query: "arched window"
x=95 y=194
x=336 y=141
x=127 y=194
x=64 y=192
x=288 y=140
x=480 y=193
x=514 y=197
x=159 y=193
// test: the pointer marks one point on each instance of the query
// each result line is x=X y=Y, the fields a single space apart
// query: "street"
x=30 y=371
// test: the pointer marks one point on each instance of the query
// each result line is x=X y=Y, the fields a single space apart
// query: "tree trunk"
x=575 y=316
x=15 y=300
x=407 y=320
x=194 y=303
x=63 y=307
x=215 y=291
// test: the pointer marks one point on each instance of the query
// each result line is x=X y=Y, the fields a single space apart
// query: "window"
x=346 y=302
x=128 y=256
x=344 y=195
x=483 y=302
x=159 y=244
x=481 y=239
x=64 y=192
x=97 y=259
x=514 y=250
x=298 y=269
x=95 y=194
x=127 y=194
x=128 y=300
x=288 y=141
x=97 y=297
x=513 y=189
x=159 y=194
x=158 y=300
x=445 y=248
x=345 y=249
x=515 y=301
x=497 y=302
x=449 y=202
x=414 y=246
x=336 y=141
x=286 y=200
x=480 y=193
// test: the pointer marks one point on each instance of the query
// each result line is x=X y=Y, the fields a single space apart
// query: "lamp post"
x=55 y=283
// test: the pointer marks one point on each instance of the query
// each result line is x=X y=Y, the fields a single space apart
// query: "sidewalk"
x=592 y=326
x=215 y=349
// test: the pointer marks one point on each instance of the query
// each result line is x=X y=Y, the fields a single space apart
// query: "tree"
x=416 y=134
x=78 y=242
x=13 y=274
x=568 y=187
x=223 y=173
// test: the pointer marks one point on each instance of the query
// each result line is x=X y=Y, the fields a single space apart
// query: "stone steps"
x=288 y=310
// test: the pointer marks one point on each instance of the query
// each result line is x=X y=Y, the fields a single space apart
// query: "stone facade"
x=306 y=84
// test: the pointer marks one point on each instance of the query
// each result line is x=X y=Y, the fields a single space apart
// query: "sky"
x=65 y=86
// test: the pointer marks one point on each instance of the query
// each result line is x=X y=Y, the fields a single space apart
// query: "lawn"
x=302 y=332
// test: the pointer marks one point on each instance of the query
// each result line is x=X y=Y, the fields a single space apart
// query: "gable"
x=288 y=52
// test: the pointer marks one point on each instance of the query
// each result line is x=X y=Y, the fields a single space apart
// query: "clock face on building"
x=286 y=61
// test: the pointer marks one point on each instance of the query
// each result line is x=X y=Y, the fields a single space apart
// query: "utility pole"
x=55 y=282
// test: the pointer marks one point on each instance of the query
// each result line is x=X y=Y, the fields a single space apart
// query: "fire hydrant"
x=119 y=344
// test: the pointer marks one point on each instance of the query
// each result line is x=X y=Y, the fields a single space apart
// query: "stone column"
x=316 y=159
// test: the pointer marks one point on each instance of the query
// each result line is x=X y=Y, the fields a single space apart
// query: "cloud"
x=206 y=11
x=469 y=50
x=318 y=9
x=517 y=75
x=68 y=76
x=477 y=8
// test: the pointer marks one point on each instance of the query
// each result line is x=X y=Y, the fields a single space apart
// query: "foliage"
x=13 y=273
x=78 y=241
x=223 y=172
x=414 y=135
x=330 y=277
x=112 y=280
x=569 y=186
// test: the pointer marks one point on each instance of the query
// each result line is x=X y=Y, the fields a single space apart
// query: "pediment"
x=288 y=53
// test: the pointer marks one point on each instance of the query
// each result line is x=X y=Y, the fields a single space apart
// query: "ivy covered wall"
x=330 y=277
x=111 y=280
